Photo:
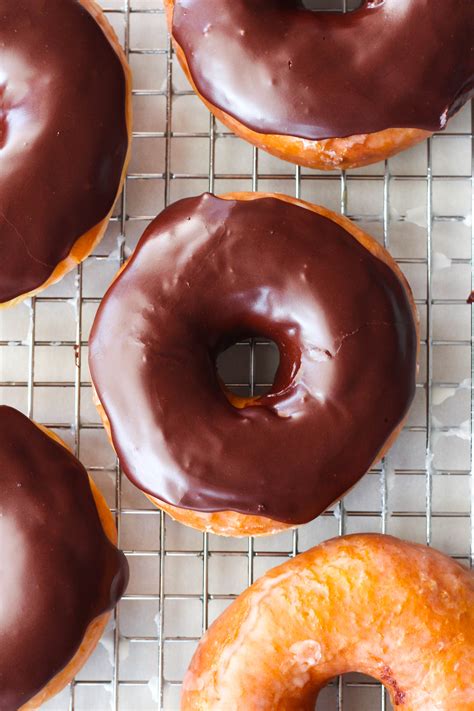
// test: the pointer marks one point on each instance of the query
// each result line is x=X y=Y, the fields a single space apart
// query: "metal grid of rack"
x=419 y=206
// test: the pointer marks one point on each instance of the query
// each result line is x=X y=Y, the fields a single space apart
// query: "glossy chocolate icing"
x=279 y=68
x=63 y=135
x=58 y=570
x=208 y=271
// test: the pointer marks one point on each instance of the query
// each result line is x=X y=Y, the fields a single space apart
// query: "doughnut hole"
x=247 y=369
x=325 y=5
x=360 y=691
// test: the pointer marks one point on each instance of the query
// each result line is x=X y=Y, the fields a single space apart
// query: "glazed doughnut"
x=65 y=128
x=400 y=612
x=342 y=316
x=328 y=90
x=60 y=571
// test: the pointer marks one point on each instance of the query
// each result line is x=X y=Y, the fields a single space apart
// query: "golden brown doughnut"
x=321 y=89
x=199 y=246
x=65 y=136
x=399 y=612
x=44 y=485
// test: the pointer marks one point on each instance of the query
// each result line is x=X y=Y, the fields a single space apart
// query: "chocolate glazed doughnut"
x=65 y=126
x=342 y=316
x=328 y=90
x=60 y=572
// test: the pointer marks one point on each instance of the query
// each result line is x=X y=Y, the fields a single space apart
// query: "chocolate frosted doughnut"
x=209 y=271
x=328 y=89
x=65 y=102
x=59 y=570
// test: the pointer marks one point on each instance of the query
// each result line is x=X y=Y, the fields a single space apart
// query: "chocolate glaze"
x=63 y=135
x=58 y=570
x=281 y=69
x=208 y=271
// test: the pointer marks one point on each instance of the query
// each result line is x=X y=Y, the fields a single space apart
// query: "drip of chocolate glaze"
x=58 y=570
x=279 y=68
x=208 y=271
x=63 y=135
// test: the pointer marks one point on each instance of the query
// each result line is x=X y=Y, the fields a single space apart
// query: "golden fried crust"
x=399 y=612
x=87 y=242
x=231 y=523
x=96 y=628
x=326 y=154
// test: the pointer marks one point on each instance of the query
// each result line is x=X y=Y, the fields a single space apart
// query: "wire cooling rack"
x=419 y=205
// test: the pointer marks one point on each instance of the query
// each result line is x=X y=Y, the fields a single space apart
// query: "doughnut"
x=65 y=128
x=60 y=572
x=399 y=612
x=209 y=271
x=328 y=90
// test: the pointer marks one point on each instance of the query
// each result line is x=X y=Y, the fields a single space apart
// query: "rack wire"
x=181 y=579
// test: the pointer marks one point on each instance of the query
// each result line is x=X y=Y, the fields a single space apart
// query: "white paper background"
x=38 y=374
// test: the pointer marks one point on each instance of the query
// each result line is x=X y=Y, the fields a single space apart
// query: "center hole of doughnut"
x=331 y=5
x=248 y=366
x=370 y=682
